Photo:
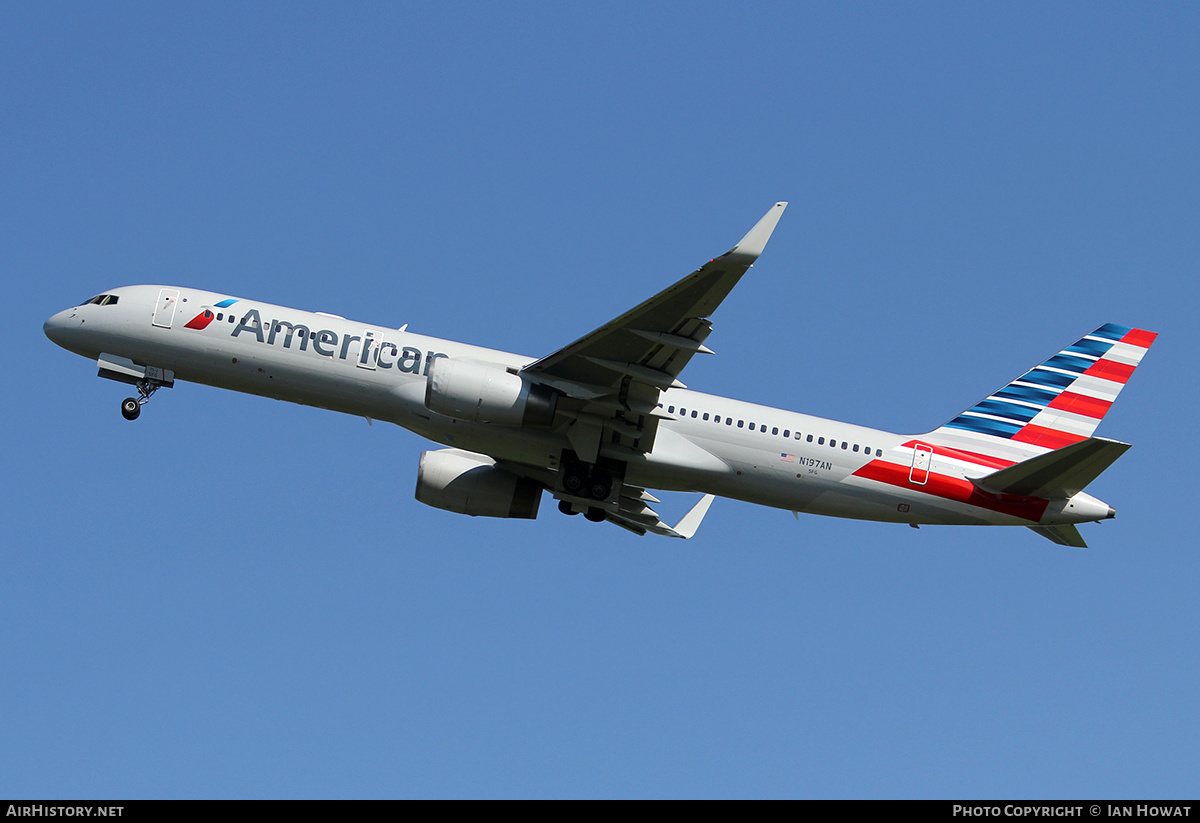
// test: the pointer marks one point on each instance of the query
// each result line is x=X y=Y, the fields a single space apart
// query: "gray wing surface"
x=612 y=377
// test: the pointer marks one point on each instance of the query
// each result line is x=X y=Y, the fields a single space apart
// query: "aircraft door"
x=922 y=457
x=164 y=312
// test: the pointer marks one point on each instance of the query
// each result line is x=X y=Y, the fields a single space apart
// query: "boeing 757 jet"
x=602 y=422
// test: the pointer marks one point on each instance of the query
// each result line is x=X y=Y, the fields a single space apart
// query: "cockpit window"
x=101 y=300
x=110 y=300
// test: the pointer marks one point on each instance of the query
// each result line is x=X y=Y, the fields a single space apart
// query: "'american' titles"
x=324 y=342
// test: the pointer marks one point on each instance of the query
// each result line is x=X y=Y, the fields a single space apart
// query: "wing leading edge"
x=614 y=375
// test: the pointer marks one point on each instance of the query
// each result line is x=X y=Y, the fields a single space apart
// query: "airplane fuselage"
x=704 y=443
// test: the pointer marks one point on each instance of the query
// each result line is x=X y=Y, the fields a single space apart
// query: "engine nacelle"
x=469 y=483
x=487 y=393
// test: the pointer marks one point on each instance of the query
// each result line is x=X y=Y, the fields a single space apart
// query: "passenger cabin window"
x=775 y=430
x=820 y=441
x=706 y=415
x=810 y=438
x=856 y=447
x=742 y=422
x=693 y=413
x=751 y=427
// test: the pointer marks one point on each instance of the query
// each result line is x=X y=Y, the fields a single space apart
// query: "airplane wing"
x=611 y=378
x=632 y=510
x=634 y=515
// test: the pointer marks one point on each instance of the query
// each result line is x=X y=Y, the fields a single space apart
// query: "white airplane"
x=604 y=420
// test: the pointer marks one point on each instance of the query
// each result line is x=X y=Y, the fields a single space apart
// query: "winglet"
x=755 y=241
x=687 y=526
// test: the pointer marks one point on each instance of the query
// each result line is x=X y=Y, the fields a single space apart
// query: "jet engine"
x=487 y=393
x=469 y=483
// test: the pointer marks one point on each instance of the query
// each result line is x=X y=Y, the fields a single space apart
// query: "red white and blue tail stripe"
x=1055 y=404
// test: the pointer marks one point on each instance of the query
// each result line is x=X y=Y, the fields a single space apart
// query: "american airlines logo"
x=201 y=320
x=325 y=342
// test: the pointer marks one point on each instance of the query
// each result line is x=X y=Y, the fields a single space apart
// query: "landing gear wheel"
x=566 y=508
x=131 y=407
x=600 y=489
x=573 y=483
x=595 y=514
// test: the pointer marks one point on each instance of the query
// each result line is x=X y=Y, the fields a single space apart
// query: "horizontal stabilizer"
x=1064 y=535
x=1057 y=474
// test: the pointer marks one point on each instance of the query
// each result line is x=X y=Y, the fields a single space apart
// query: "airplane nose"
x=58 y=327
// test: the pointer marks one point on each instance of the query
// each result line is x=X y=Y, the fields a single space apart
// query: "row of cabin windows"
x=300 y=330
x=820 y=441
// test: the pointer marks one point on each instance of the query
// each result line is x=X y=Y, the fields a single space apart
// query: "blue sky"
x=236 y=597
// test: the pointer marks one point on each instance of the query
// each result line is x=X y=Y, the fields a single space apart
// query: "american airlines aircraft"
x=602 y=421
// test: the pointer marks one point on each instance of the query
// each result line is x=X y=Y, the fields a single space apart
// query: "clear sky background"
x=237 y=597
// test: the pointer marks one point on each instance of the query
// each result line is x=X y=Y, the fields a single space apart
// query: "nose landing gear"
x=148 y=380
x=131 y=407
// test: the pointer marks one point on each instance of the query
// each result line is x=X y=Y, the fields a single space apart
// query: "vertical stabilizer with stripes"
x=1053 y=405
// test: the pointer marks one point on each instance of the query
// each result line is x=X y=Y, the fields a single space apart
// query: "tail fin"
x=1052 y=405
